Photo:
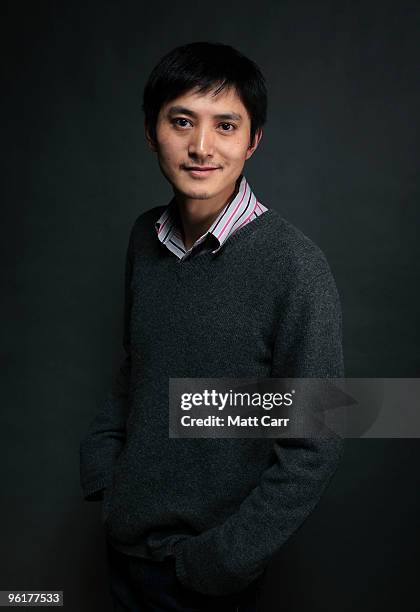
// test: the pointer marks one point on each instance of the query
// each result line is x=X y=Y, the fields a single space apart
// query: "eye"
x=177 y=119
x=174 y=121
x=229 y=124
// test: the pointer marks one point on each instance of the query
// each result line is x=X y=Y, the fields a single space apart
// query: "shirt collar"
x=235 y=214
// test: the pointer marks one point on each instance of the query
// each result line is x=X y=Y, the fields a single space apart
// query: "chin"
x=195 y=195
x=196 y=192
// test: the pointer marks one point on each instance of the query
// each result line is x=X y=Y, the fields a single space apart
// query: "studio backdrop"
x=339 y=159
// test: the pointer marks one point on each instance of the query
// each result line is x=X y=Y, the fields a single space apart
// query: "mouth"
x=200 y=172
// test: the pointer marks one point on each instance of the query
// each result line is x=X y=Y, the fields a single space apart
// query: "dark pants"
x=144 y=585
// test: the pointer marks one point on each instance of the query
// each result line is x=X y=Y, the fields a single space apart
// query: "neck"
x=197 y=215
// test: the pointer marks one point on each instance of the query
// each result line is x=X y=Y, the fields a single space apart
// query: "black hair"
x=205 y=66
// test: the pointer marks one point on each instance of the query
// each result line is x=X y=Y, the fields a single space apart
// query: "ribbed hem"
x=197 y=568
x=179 y=564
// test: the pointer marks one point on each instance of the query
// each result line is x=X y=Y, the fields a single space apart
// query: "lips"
x=200 y=171
x=202 y=168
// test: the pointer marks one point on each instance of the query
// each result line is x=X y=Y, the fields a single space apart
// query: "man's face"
x=195 y=131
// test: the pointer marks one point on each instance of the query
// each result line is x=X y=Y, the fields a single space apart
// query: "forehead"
x=226 y=102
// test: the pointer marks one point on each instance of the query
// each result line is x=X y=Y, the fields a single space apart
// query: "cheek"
x=235 y=149
x=170 y=148
x=236 y=156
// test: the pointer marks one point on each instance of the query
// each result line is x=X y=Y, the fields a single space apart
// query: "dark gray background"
x=339 y=158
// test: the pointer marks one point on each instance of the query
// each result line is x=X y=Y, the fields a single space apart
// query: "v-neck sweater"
x=264 y=305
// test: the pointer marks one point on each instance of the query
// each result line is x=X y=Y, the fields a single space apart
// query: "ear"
x=150 y=141
x=252 y=147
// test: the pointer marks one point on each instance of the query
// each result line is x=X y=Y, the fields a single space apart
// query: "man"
x=217 y=285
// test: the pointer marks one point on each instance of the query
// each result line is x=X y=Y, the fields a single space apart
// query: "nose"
x=201 y=143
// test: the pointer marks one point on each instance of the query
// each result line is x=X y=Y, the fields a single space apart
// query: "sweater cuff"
x=94 y=490
x=198 y=568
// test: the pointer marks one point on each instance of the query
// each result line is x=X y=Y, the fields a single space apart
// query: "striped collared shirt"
x=242 y=209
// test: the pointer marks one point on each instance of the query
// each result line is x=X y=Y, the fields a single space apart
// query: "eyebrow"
x=173 y=110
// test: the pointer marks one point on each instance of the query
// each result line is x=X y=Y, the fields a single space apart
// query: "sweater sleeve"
x=106 y=433
x=227 y=557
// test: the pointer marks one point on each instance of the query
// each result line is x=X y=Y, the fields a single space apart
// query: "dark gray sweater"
x=223 y=506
